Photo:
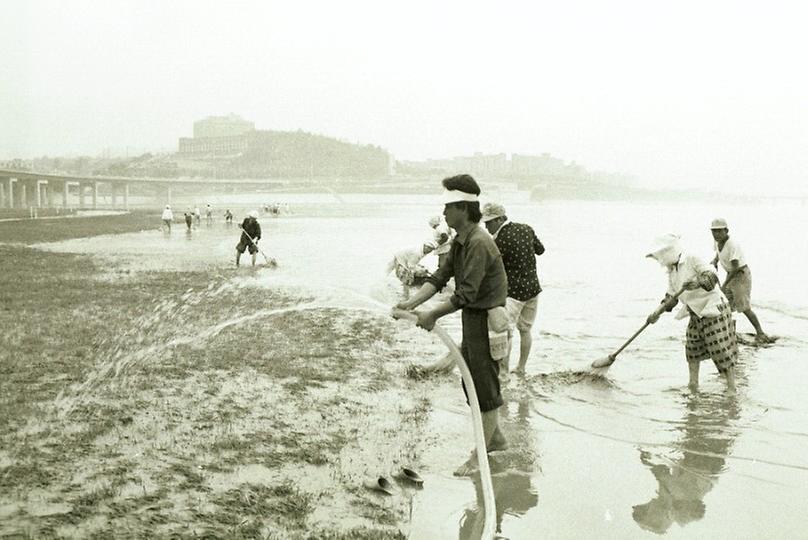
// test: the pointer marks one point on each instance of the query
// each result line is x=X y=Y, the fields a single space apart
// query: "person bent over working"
x=711 y=330
x=409 y=272
x=480 y=284
x=250 y=228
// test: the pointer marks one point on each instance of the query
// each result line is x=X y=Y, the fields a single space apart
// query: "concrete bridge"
x=27 y=189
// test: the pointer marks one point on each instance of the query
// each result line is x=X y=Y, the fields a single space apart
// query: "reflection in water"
x=511 y=473
x=705 y=443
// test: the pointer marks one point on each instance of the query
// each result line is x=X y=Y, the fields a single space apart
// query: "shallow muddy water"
x=633 y=455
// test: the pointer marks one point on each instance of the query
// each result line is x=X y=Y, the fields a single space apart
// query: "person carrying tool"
x=250 y=234
x=480 y=285
x=738 y=282
x=711 y=330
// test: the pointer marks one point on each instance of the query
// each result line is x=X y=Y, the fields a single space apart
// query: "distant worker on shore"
x=197 y=215
x=441 y=241
x=250 y=235
x=208 y=214
x=228 y=217
x=480 y=286
x=167 y=217
x=189 y=219
x=737 y=284
x=519 y=247
x=408 y=269
x=711 y=330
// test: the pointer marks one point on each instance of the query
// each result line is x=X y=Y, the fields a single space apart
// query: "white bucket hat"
x=666 y=249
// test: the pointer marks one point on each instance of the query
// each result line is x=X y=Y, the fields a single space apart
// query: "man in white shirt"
x=738 y=283
x=711 y=330
x=167 y=217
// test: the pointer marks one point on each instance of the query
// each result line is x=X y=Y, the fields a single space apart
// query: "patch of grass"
x=283 y=502
x=64 y=324
x=33 y=231
x=358 y=533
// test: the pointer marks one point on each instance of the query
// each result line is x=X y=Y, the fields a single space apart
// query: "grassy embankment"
x=137 y=404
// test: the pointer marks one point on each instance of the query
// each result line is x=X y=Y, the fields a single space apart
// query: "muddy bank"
x=178 y=403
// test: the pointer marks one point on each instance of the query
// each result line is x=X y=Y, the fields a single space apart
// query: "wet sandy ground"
x=633 y=455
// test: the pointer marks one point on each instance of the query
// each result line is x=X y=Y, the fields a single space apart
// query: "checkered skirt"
x=713 y=337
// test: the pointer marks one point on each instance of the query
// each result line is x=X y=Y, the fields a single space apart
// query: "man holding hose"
x=711 y=330
x=480 y=284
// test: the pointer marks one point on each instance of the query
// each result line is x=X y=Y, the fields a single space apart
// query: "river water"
x=632 y=455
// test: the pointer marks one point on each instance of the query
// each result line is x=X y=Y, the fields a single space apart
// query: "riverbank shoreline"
x=182 y=403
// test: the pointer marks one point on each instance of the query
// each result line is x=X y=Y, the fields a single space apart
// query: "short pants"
x=522 y=314
x=242 y=245
x=713 y=337
x=477 y=354
x=739 y=290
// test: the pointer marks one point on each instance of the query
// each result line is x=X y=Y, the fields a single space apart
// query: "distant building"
x=234 y=145
x=528 y=165
x=228 y=145
x=222 y=126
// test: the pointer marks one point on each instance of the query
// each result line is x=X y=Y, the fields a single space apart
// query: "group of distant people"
x=250 y=228
x=495 y=271
x=193 y=217
x=275 y=209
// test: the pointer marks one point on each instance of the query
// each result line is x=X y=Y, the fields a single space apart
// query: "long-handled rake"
x=609 y=360
x=270 y=261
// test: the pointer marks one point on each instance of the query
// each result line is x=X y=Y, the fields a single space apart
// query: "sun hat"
x=434 y=221
x=253 y=214
x=492 y=211
x=719 y=223
x=665 y=248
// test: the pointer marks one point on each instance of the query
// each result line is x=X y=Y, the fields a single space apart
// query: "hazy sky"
x=677 y=93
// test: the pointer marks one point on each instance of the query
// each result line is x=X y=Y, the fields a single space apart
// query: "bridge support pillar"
x=10 y=194
x=2 y=195
x=126 y=196
x=65 y=190
x=114 y=191
x=41 y=185
x=95 y=195
x=50 y=192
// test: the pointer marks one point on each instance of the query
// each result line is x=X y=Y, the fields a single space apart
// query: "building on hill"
x=222 y=126
x=300 y=154
x=262 y=153
x=529 y=165
x=208 y=146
